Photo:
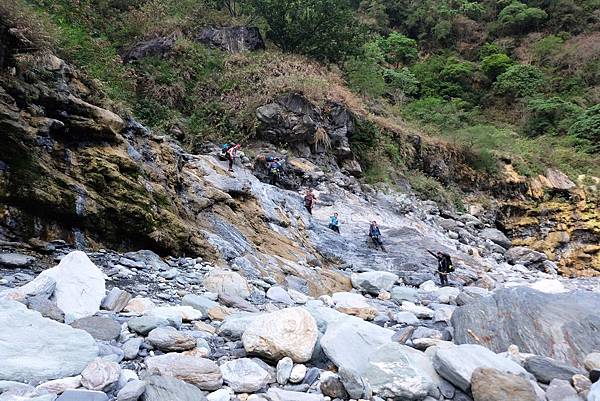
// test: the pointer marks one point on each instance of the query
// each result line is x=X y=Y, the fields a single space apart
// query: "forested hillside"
x=509 y=80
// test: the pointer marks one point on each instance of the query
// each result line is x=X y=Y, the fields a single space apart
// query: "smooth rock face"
x=131 y=391
x=546 y=369
x=392 y=373
x=289 y=332
x=203 y=373
x=514 y=316
x=100 y=374
x=457 y=364
x=244 y=375
x=492 y=385
x=12 y=260
x=159 y=388
x=198 y=302
x=169 y=339
x=38 y=349
x=226 y=282
x=373 y=282
x=79 y=286
x=100 y=327
x=82 y=395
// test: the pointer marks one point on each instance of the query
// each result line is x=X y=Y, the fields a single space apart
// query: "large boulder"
x=457 y=363
x=492 y=385
x=203 y=373
x=226 y=282
x=159 y=388
x=232 y=39
x=559 y=326
x=100 y=327
x=169 y=339
x=80 y=286
x=546 y=369
x=288 y=332
x=33 y=348
x=354 y=304
x=524 y=256
x=244 y=375
x=374 y=282
x=496 y=236
x=155 y=47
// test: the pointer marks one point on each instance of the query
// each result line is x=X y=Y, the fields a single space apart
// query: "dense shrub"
x=496 y=64
x=519 y=81
x=587 y=126
x=549 y=116
x=398 y=49
x=518 y=17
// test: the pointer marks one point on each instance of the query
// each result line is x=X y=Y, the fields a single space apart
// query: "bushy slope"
x=512 y=81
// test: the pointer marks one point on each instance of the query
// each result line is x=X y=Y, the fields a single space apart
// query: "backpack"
x=449 y=263
x=226 y=147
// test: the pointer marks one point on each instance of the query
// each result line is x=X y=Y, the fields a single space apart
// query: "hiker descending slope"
x=375 y=235
x=309 y=200
x=334 y=223
x=275 y=168
x=231 y=154
x=445 y=266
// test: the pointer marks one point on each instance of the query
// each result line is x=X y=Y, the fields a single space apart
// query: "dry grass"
x=32 y=33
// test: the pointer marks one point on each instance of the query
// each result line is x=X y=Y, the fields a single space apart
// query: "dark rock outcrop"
x=234 y=39
x=160 y=47
x=559 y=326
x=318 y=134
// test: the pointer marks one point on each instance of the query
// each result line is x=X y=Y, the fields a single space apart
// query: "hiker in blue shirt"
x=334 y=223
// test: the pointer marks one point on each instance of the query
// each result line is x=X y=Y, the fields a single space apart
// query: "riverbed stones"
x=161 y=388
x=59 y=386
x=145 y=324
x=373 y=282
x=279 y=294
x=199 y=302
x=169 y=339
x=100 y=327
x=203 y=373
x=496 y=236
x=116 y=300
x=592 y=361
x=288 y=332
x=82 y=395
x=244 y=375
x=226 y=282
x=139 y=305
x=354 y=304
x=15 y=260
x=46 y=307
x=331 y=385
x=457 y=364
x=100 y=374
x=284 y=370
x=489 y=384
x=39 y=349
x=131 y=391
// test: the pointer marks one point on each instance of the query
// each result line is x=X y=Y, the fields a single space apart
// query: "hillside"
x=451 y=251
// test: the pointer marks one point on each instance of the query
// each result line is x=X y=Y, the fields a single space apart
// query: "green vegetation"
x=517 y=80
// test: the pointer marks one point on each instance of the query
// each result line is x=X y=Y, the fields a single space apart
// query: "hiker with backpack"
x=445 y=266
x=334 y=223
x=375 y=235
x=309 y=201
x=231 y=154
x=275 y=168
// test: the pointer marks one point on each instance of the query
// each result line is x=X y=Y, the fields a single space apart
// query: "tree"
x=324 y=29
x=495 y=64
x=398 y=49
x=520 y=81
x=519 y=18
x=549 y=116
x=402 y=80
x=587 y=126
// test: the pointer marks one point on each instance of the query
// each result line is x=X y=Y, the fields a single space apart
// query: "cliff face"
x=559 y=218
x=71 y=168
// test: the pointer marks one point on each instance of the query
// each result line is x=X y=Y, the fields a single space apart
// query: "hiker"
x=309 y=201
x=334 y=223
x=275 y=168
x=375 y=234
x=231 y=153
x=445 y=266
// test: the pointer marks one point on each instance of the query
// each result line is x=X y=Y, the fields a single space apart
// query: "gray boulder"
x=131 y=391
x=168 y=339
x=145 y=324
x=560 y=326
x=82 y=395
x=14 y=260
x=546 y=369
x=161 y=388
x=199 y=302
x=100 y=327
x=46 y=307
x=374 y=282
x=33 y=348
x=457 y=364
x=157 y=47
x=520 y=255
x=561 y=390
x=116 y=300
x=400 y=294
x=496 y=236
x=232 y=39
x=244 y=375
x=234 y=325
